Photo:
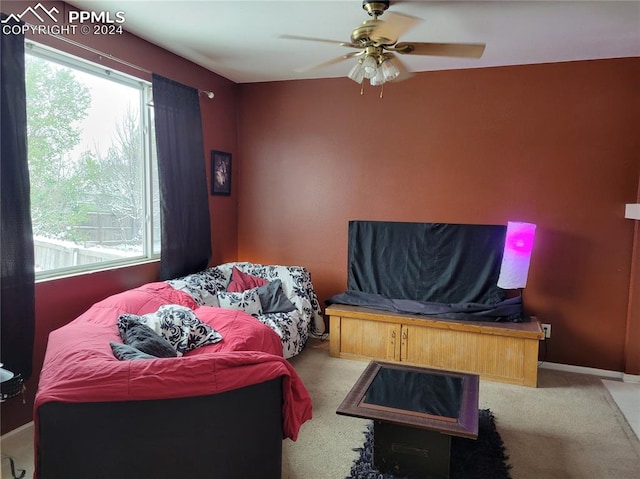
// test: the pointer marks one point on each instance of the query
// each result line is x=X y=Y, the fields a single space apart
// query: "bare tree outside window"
x=89 y=165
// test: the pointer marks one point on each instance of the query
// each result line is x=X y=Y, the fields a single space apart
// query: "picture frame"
x=220 y=173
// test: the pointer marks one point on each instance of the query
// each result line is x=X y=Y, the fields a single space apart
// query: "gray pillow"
x=142 y=337
x=273 y=299
x=124 y=352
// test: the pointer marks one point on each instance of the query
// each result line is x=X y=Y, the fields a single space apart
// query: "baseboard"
x=16 y=431
x=631 y=378
x=605 y=373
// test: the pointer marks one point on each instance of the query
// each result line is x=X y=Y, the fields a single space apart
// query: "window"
x=93 y=174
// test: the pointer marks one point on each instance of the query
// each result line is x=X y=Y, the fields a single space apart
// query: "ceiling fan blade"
x=393 y=26
x=333 y=61
x=462 y=50
x=323 y=40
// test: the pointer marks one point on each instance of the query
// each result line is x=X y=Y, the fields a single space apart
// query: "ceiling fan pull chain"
x=381 y=90
x=362 y=88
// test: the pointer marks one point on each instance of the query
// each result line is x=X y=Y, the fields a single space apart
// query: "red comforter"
x=79 y=365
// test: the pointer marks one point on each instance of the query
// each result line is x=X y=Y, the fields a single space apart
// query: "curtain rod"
x=209 y=94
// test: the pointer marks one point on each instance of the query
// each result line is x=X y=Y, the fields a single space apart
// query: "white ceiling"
x=240 y=39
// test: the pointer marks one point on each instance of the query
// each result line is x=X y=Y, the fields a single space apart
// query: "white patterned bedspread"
x=293 y=327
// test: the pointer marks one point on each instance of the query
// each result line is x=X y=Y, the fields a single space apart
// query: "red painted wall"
x=60 y=301
x=552 y=144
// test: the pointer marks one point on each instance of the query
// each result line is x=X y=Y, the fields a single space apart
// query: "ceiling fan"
x=377 y=44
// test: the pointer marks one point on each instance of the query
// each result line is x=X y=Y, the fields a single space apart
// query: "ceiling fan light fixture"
x=370 y=66
x=389 y=70
x=357 y=72
x=378 y=78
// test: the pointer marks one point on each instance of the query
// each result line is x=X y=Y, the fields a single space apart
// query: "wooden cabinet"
x=504 y=352
x=371 y=339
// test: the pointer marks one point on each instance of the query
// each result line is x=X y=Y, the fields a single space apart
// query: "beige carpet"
x=569 y=427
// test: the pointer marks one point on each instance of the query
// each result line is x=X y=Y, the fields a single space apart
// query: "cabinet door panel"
x=370 y=339
x=496 y=356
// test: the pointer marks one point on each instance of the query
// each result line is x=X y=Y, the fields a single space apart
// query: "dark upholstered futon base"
x=235 y=434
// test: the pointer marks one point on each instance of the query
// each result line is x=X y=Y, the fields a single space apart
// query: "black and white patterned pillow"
x=202 y=286
x=247 y=301
x=178 y=325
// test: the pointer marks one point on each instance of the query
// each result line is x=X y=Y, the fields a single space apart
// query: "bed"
x=220 y=410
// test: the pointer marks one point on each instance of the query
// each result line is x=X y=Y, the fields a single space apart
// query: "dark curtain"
x=184 y=202
x=16 y=234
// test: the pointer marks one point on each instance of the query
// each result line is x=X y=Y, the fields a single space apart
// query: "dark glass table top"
x=443 y=401
x=415 y=391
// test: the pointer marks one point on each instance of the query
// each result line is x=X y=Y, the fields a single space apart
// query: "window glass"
x=94 y=195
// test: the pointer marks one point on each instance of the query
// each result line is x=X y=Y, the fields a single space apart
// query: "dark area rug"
x=483 y=458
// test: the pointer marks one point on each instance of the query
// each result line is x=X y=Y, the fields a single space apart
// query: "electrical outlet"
x=547 y=330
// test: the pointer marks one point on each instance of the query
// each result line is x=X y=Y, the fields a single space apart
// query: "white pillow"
x=178 y=325
x=247 y=301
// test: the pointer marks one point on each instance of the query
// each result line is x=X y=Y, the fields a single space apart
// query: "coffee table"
x=415 y=412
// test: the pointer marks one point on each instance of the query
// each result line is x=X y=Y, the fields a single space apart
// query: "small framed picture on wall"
x=220 y=173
